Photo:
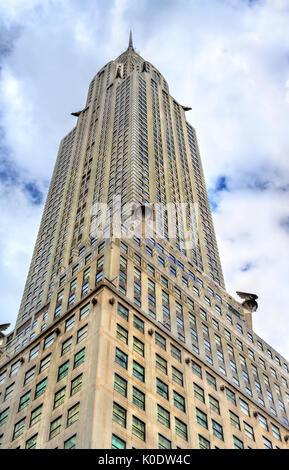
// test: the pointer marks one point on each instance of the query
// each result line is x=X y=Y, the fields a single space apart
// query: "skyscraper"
x=126 y=336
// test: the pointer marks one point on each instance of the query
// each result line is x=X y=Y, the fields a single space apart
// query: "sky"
x=226 y=59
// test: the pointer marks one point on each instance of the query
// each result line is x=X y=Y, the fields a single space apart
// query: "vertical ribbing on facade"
x=133 y=143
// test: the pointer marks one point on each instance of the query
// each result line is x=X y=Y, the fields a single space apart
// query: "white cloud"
x=226 y=59
x=249 y=231
x=19 y=225
x=287 y=91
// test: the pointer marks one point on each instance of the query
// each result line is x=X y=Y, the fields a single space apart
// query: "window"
x=70 y=300
x=177 y=376
x=79 y=358
x=122 y=334
x=73 y=414
x=137 y=273
x=55 y=427
x=121 y=358
x=163 y=416
x=203 y=443
x=262 y=363
x=267 y=443
x=138 y=346
x=245 y=376
x=218 y=309
x=202 y=418
x=63 y=370
x=214 y=404
x=48 y=341
x=34 y=352
x=3 y=376
x=273 y=372
x=81 y=334
x=60 y=296
x=269 y=394
x=194 y=334
x=260 y=345
x=31 y=443
x=227 y=334
x=284 y=382
x=45 y=363
x=119 y=415
x=239 y=327
x=162 y=389
x=138 y=371
x=196 y=290
x=258 y=386
x=138 y=324
x=69 y=323
x=236 y=381
x=164 y=443
x=231 y=396
x=211 y=380
x=251 y=354
x=59 y=397
x=14 y=368
x=217 y=430
x=176 y=353
x=161 y=364
x=221 y=369
x=40 y=388
x=84 y=288
x=120 y=385
x=235 y=421
x=244 y=407
x=86 y=274
x=181 y=429
x=199 y=393
x=117 y=443
x=24 y=401
x=19 y=428
x=138 y=398
x=160 y=341
x=70 y=443
x=239 y=344
x=276 y=431
x=179 y=401
x=36 y=415
x=248 y=391
x=263 y=422
x=138 y=428
x=100 y=261
x=220 y=355
x=249 y=432
x=29 y=375
x=98 y=276
x=66 y=346
x=76 y=385
x=4 y=416
x=122 y=311
x=196 y=369
x=238 y=444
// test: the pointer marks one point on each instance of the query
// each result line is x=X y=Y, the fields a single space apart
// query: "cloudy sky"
x=227 y=59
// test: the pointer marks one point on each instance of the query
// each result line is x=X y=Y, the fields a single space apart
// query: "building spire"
x=130 y=43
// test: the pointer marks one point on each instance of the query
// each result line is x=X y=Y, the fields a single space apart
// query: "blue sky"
x=227 y=59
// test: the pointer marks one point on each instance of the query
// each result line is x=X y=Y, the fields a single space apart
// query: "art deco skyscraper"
x=128 y=338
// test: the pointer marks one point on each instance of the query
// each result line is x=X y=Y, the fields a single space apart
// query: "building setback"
x=130 y=340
